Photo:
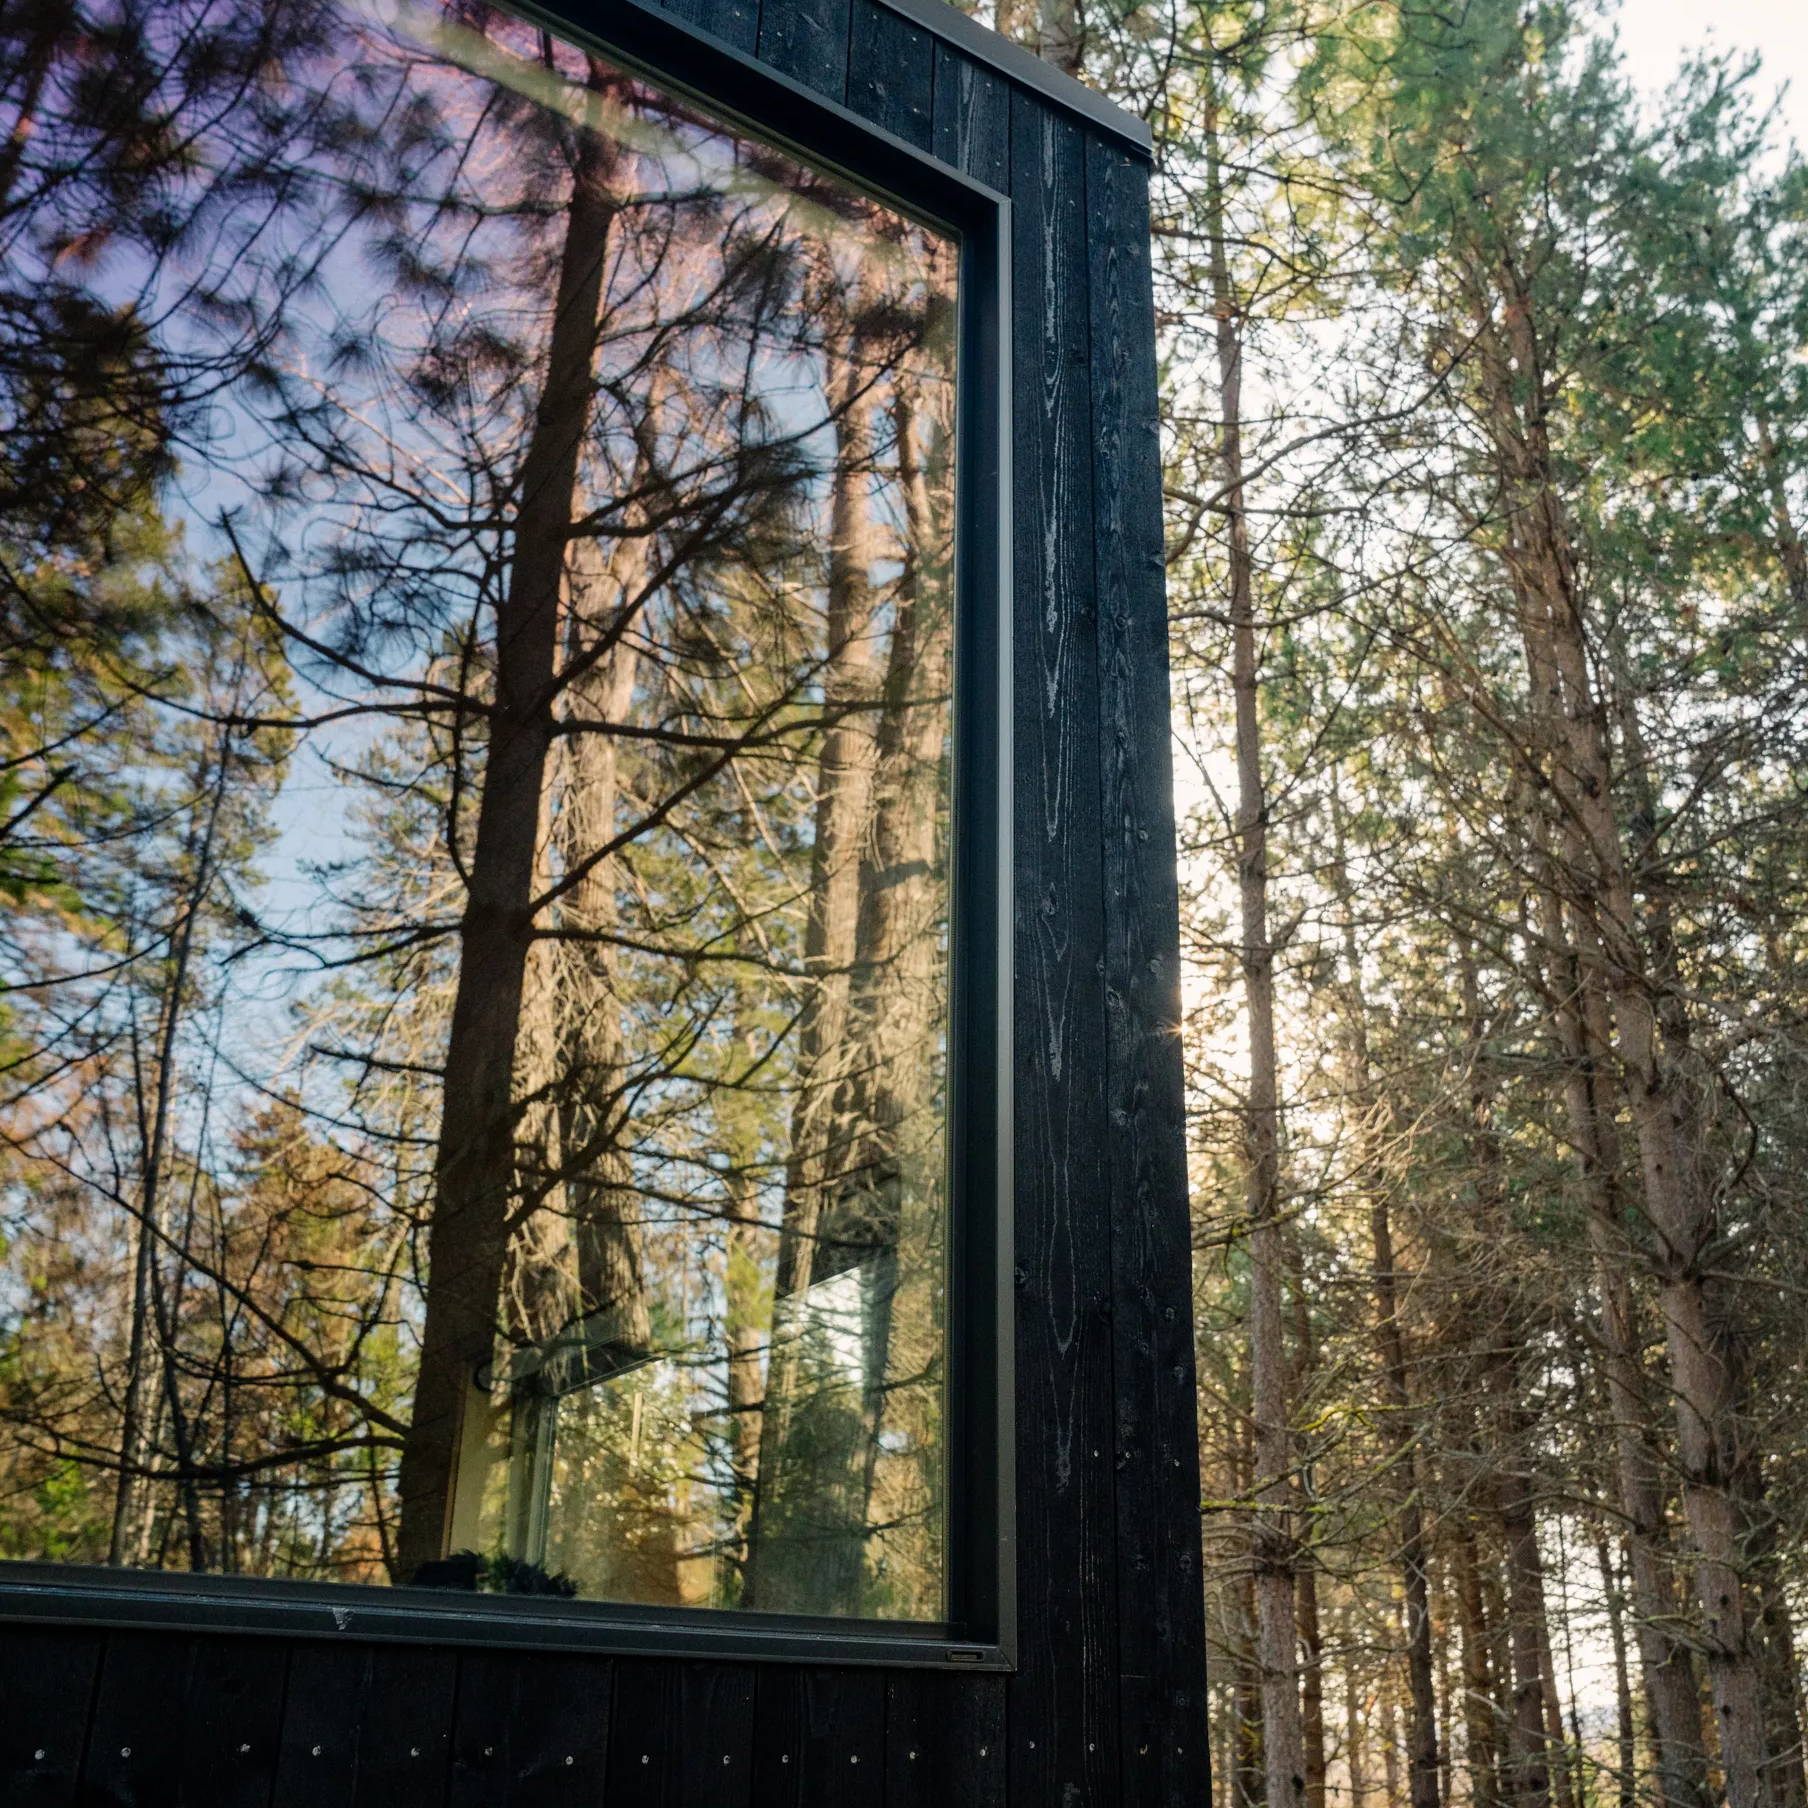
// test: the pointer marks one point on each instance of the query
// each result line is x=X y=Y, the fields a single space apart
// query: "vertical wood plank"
x=1064 y=1698
x=821 y=1738
x=47 y=1682
x=735 y=22
x=808 y=41
x=972 y=118
x=405 y=1739
x=135 y=1740
x=891 y=73
x=232 y=1723
x=944 y=1740
x=685 y=1735
x=323 y=1714
x=1161 y=1642
x=366 y=1726
x=530 y=1731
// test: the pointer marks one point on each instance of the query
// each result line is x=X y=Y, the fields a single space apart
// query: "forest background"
x=1487 y=460
x=1483 y=392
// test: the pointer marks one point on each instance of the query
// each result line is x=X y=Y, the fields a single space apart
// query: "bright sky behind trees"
x=1656 y=34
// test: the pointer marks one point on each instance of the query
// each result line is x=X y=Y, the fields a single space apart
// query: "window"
x=476 y=821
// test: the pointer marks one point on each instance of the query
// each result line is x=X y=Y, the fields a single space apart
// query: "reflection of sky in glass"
x=334 y=298
x=369 y=357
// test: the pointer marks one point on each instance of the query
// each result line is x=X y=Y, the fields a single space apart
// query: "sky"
x=1655 y=35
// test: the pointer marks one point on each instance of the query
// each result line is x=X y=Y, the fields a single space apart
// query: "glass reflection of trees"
x=474 y=735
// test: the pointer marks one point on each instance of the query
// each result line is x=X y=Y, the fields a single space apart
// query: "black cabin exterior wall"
x=1106 y=1705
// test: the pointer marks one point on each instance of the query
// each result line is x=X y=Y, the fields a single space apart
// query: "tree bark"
x=1662 y=1088
x=806 y=1541
x=1625 y=1726
x=475 y=1160
x=1400 y=1423
x=1582 y=1028
x=1274 y=1553
x=1480 y=1715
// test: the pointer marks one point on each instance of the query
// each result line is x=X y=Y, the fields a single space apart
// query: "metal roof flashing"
x=1026 y=69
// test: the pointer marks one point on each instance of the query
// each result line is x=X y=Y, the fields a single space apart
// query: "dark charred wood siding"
x=1107 y=1704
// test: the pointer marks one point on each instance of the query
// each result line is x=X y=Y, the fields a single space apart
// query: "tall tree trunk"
x=1526 y=1775
x=1400 y=1424
x=1311 y=1632
x=807 y=1541
x=1563 y=1782
x=1625 y=1725
x=1481 y=1724
x=1249 y=1758
x=1355 y=1738
x=1422 y=1735
x=1529 y=1756
x=128 y=1542
x=1662 y=1085
x=475 y=1160
x=1790 y=549
x=1312 y=1687
x=592 y=1079
x=892 y=1209
x=1582 y=1028
x=745 y=1333
x=1272 y=1536
x=1779 y=1667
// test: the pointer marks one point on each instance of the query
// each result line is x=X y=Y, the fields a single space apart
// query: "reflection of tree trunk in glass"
x=890 y=1210
x=807 y=1540
x=591 y=1104
x=133 y=1506
x=475 y=1160
x=537 y=1286
x=747 y=1315
x=605 y=1212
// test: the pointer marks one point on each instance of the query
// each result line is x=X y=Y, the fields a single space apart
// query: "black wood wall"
x=1107 y=1704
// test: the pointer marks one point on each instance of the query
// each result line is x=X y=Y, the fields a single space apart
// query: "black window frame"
x=980 y=1630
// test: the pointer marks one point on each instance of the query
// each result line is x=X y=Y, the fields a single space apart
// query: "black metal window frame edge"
x=981 y=1635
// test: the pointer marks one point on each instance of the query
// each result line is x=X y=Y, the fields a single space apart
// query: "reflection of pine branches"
x=403 y=506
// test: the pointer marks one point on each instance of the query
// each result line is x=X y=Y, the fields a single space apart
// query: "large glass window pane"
x=475 y=577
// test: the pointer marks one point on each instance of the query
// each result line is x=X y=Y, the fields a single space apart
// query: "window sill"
x=53 y=1592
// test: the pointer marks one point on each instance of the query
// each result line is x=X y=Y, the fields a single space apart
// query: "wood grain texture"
x=1107 y=1705
x=47 y=1679
x=366 y=1726
x=684 y=1735
x=735 y=22
x=821 y=1738
x=944 y=1740
x=972 y=128
x=232 y=1723
x=530 y=1731
x=405 y=1737
x=1161 y=1638
x=891 y=73
x=135 y=1741
x=808 y=41
x=1064 y=1697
